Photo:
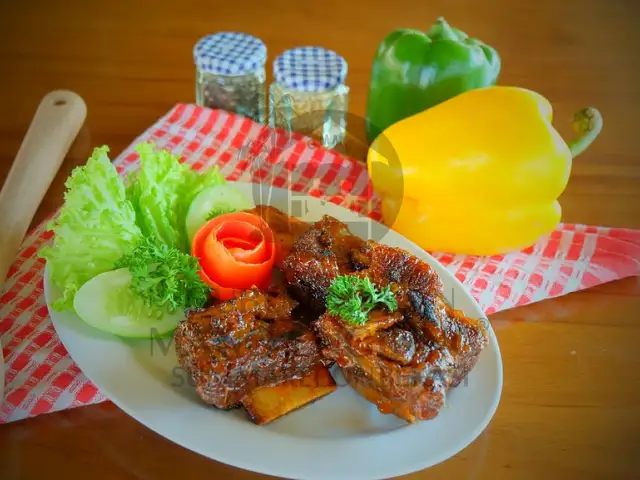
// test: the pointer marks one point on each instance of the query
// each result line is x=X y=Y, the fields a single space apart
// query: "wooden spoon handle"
x=55 y=125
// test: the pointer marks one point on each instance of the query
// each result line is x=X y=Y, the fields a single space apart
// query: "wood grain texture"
x=53 y=129
x=570 y=405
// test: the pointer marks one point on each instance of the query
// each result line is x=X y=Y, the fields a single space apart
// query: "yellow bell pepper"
x=480 y=173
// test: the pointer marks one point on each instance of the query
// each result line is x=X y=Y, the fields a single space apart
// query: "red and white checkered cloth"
x=41 y=377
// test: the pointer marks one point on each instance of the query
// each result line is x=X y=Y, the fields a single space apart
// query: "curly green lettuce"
x=96 y=226
x=161 y=192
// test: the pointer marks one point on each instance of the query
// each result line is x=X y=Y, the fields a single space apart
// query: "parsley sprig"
x=164 y=277
x=352 y=298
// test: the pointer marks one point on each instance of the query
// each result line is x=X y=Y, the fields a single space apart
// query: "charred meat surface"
x=252 y=341
x=403 y=361
x=395 y=368
x=317 y=257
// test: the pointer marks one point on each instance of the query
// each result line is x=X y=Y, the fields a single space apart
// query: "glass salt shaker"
x=309 y=95
x=230 y=74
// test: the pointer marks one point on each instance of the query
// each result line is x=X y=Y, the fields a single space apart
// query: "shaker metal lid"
x=310 y=69
x=229 y=53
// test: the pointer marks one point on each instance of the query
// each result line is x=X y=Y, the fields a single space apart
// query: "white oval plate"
x=341 y=436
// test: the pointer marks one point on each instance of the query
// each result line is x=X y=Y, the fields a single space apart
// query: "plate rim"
x=281 y=469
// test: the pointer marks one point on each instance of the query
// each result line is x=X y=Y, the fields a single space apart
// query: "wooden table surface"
x=570 y=404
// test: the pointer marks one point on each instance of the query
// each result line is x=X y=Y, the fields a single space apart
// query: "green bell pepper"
x=413 y=71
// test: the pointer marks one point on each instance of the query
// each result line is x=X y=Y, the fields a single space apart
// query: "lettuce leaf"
x=96 y=226
x=103 y=218
x=161 y=192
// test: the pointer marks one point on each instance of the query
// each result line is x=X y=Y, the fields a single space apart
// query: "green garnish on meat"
x=352 y=298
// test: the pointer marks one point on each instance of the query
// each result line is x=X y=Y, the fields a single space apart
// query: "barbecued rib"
x=406 y=361
x=233 y=347
x=318 y=256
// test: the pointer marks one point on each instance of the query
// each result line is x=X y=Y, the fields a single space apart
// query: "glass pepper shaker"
x=309 y=95
x=230 y=74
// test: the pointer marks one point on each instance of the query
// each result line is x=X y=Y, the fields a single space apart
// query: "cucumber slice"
x=106 y=302
x=224 y=197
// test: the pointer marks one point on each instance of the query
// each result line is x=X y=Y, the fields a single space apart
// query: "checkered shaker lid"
x=310 y=69
x=229 y=53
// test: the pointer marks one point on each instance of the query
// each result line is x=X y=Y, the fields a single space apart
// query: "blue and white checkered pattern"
x=310 y=69
x=229 y=53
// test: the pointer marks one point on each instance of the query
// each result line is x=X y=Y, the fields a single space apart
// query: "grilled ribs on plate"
x=406 y=361
x=320 y=254
x=252 y=341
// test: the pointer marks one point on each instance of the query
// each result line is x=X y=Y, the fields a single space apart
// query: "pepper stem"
x=587 y=124
x=441 y=30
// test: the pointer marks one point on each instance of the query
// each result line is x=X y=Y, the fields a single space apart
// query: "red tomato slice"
x=236 y=251
x=233 y=269
x=238 y=243
x=217 y=291
x=207 y=228
x=247 y=240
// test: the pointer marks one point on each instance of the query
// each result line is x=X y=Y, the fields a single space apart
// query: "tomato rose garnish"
x=236 y=251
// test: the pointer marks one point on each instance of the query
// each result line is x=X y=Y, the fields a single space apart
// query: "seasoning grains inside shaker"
x=230 y=74
x=308 y=94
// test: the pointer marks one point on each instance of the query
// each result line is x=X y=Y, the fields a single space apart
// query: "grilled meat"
x=233 y=347
x=318 y=256
x=400 y=369
x=405 y=361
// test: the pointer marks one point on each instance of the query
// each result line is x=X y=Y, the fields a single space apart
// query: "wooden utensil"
x=55 y=125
